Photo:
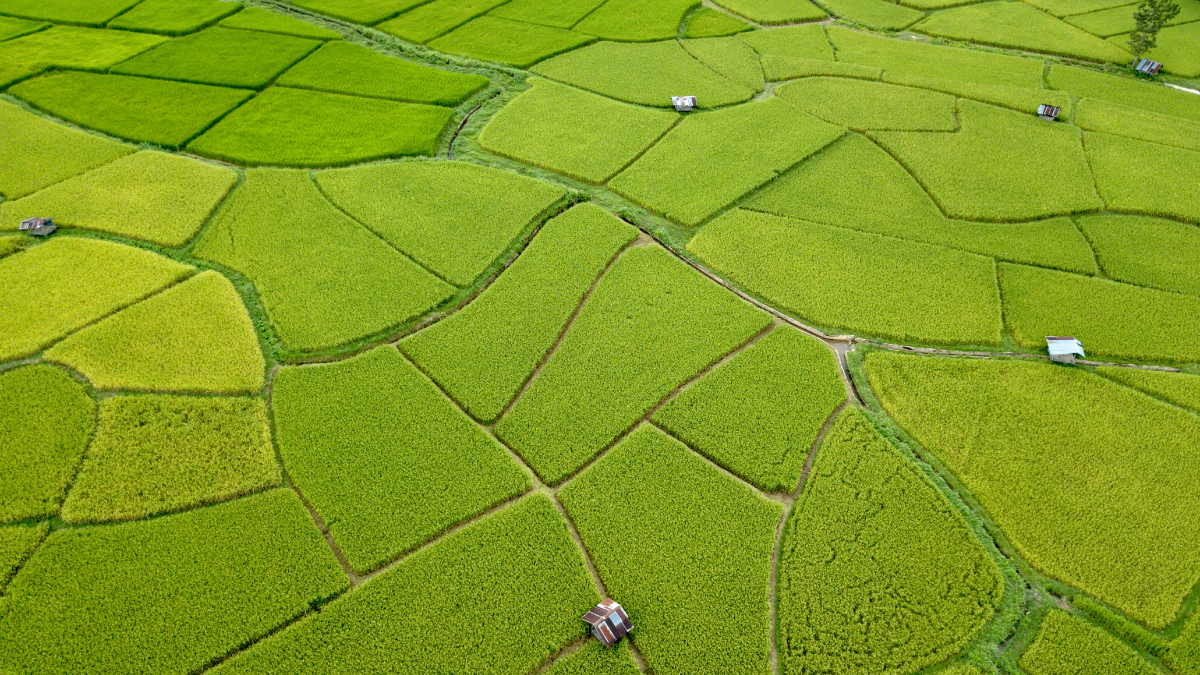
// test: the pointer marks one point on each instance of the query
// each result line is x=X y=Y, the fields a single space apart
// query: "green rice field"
x=389 y=337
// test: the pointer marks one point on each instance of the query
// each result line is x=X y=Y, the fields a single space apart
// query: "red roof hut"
x=609 y=622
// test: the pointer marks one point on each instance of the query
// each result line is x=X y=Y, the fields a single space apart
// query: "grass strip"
x=483 y=353
x=1127 y=91
x=341 y=426
x=220 y=56
x=69 y=47
x=95 y=13
x=730 y=57
x=877 y=14
x=559 y=14
x=1067 y=643
x=45 y=422
x=195 y=337
x=17 y=543
x=1130 y=248
x=433 y=19
x=174 y=17
x=1033 y=441
x=708 y=22
x=367 y=12
x=1178 y=388
x=266 y=21
x=1153 y=186
x=637 y=20
x=520 y=44
x=770 y=12
x=701 y=540
x=863 y=105
x=158 y=454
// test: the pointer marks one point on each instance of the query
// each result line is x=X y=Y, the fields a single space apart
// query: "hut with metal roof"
x=1064 y=349
x=38 y=227
x=609 y=622
x=1048 y=112
x=1147 y=67
x=683 y=103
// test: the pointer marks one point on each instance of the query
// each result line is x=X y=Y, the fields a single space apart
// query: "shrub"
x=296 y=127
x=345 y=68
x=1068 y=644
x=769 y=12
x=174 y=17
x=499 y=596
x=649 y=74
x=708 y=161
x=38 y=153
x=594 y=659
x=432 y=19
x=650 y=325
x=637 y=20
x=878 y=573
x=802 y=42
x=195 y=337
x=729 y=57
x=11 y=28
x=700 y=541
x=357 y=11
x=862 y=105
x=1138 y=177
x=1090 y=482
x=483 y=353
x=149 y=195
x=52 y=290
x=232 y=58
x=708 y=22
x=266 y=21
x=137 y=108
x=1021 y=99
x=157 y=454
x=573 y=132
x=69 y=47
x=981 y=171
x=324 y=279
x=343 y=425
x=1178 y=388
x=902 y=290
x=559 y=14
x=516 y=43
x=777 y=68
x=1131 y=248
x=17 y=544
x=96 y=13
x=758 y=414
x=169 y=594
x=455 y=218
x=46 y=419
x=877 y=14
x=1082 y=83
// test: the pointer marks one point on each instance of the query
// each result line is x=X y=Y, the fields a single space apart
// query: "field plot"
x=359 y=11
x=452 y=217
x=928 y=60
x=1130 y=248
x=637 y=20
x=266 y=21
x=1157 y=190
x=95 y=13
x=767 y=12
x=804 y=42
x=1184 y=654
x=651 y=324
x=436 y=612
x=149 y=195
x=516 y=43
x=1182 y=390
x=69 y=47
x=42 y=445
x=863 y=105
x=482 y=354
x=157 y=454
x=776 y=68
x=573 y=132
x=343 y=425
x=231 y=58
x=1090 y=482
x=1021 y=99
x=11 y=28
x=193 y=337
x=708 y=22
x=432 y=19
x=702 y=540
x=325 y=280
x=1076 y=7
x=174 y=17
x=1082 y=83
x=878 y=573
x=1176 y=49
x=594 y=659
x=877 y=14
x=16 y=543
x=1143 y=125
x=560 y=14
x=1067 y=644
x=169 y=594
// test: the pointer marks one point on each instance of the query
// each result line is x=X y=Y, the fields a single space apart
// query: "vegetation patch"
x=46 y=418
x=345 y=68
x=169 y=594
x=194 y=337
x=1178 y=388
x=266 y=21
x=149 y=195
x=802 y=42
x=573 y=132
x=18 y=542
x=452 y=217
x=776 y=68
x=730 y=57
x=324 y=279
x=758 y=414
x=52 y=290
x=560 y=14
x=1184 y=654
x=174 y=17
x=297 y=127
x=342 y=426
x=69 y=47
x=137 y=108
x=1131 y=248
x=358 y=11
x=500 y=596
x=863 y=105
x=1155 y=188
x=1144 y=125
x=727 y=154
x=878 y=573
x=902 y=290
x=11 y=28
x=708 y=22
x=231 y=58
x=432 y=19
x=917 y=58
x=769 y=12
x=1021 y=99
x=637 y=20
x=1176 y=48
x=1070 y=7
x=483 y=353
x=95 y=13
x=1034 y=441
x=157 y=454
x=516 y=43
x=701 y=540
x=877 y=14
x=1082 y=83
x=1067 y=644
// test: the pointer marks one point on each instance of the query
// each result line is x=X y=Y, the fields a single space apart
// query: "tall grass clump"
x=1067 y=644
x=231 y=58
x=516 y=43
x=174 y=17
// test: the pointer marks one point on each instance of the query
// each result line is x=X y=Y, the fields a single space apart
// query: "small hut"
x=683 y=103
x=609 y=622
x=1147 y=67
x=38 y=227
x=1064 y=349
x=1048 y=112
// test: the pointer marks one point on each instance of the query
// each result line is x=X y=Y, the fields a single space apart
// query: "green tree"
x=1150 y=16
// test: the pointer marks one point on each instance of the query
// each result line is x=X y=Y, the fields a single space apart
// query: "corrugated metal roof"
x=609 y=622
x=1061 y=345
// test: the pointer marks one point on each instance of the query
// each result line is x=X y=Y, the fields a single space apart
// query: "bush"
x=777 y=68
x=901 y=290
x=559 y=14
x=149 y=195
x=266 y=21
x=11 y=28
x=483 y=353
x=769 y=12
x=174 y=17
x=345 y=68
x=650 y=326
x=17 y=544
x=516 y=43
x=637 y=20
x=1067 y=644
x=157 y=454
x=573 y=132
x=708 y=22
x=1021 y=99
x=499 y=596
x=432 y=19
x=878 y=573
x=39 y=153
x=357 y=11
x=1178 y=388
x=862 y=105
x=695 y=561
x=981 y=172
x=169 y=594
x=1138 y=177
x=137 y=108
x=649 y=74
x=96 y=13
x=296 y=127
x=195 y=337
x=232 y=58
x=1131 y=248
x=729 y=57
x=46 y=419
x=343 y=425
x=802 y=42
x=710 y=160
x=452 y=217
x=1126 y=91
x=1090 y=482
x=54 y=289
x=324 y=279
x=69 y=47
x=877 y=14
